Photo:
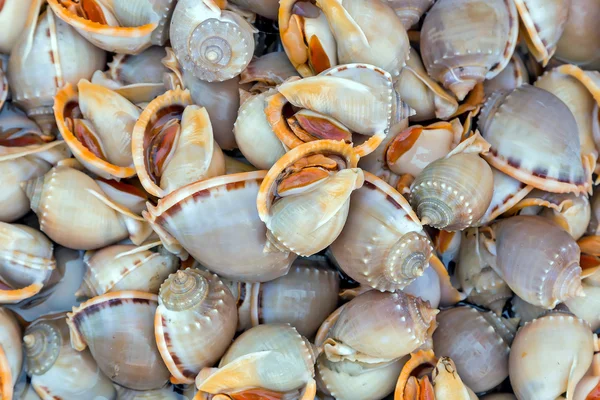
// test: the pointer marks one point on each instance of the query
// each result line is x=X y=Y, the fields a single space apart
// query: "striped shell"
x=507 y=192
x=385 y=256
x=194 y=323
x=227 y=208
x=118 y=329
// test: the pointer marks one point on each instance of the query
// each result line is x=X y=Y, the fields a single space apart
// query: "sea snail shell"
x=11 y=354
x=194 y=323
x=410 y=11
x=214 y=44
x=385 y=256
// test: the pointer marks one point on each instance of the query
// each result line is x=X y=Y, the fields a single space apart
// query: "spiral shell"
x=533 y=367
x=586 y=307
x=227 y=208
x=304 y=199
x=507 y=193
x=214 y=44
x=26 y=262
x=50 y=360
x=11 y=355
x=173 y=144
x=48 y=55
x=549 y=156
x=408 y=319
x=126 y=26
x=195 y=322
x=410 y=11
x=62 y=200
x=483 y=367
x=384 y=256
x=580 y=41
x=460 y=64
x=117 y=327
x=427 y=287
x=264 y=358
x=538 y=260
x=453 y=193
x=125 y=267
x=512 y=76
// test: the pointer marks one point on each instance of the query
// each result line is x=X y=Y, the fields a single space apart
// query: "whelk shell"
x=304 y=199
x=460 y=64
x=388 y=255
x=118 y=329
x=194 y=323
x=173 y=144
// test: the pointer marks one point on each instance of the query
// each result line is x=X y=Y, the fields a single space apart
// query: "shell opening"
x=309 y=125
x=88 y=9
x=42 y=344
x=183 y=290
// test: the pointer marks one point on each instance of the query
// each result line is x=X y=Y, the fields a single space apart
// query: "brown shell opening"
x=413 y=382
x=75 y=122
x=257 y=394
x=125 y=187
x=88 y=9
x=160 y=137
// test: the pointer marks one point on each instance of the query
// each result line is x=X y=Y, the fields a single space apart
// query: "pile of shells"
x=300 y=199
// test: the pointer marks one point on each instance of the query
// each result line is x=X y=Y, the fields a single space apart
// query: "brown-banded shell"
x=227 y=208
x=97 y=125
x=512 y=76
x=537 y=259
x=306 y=37
x=221 y=99
x=580 y=41
x=11 y=354
x=367 y=32
x=544 y=22
x=26 y=262
x=253 y=134
x=264 y=359
x=481 y=367
x=194 y=323
x=13 y=18
x=580 y=91
x=125 y=267
x=50 y=360
x=421 y=93
x=48 y=55
x=118 y=329
x=460 y=64
x=268 y=70
x=454 y=192
x=305 y=197
x=213 y=44
x=533 y=367
x=23 y=156
x=508 y=191
x=364 y=328
x=383 y=244
x=410 y=11
x=131 y=195
x=368 y=107
x=173 y=144
x=549 y=156
x=62 y=200
x=474 y=271
x=303 y=298
x=123 y=26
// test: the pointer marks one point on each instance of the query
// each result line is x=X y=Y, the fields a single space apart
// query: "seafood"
x=213 y=44
x=304 y=199
x=534 y=372
x=62 y=200
x=537 y=259
x=26 y=263
x=194 y=323
x=265 y=359
x=173 y=144
x=121 y=26
x=226 y=206
x=50 y=360
x=97 y=125
x=549 y=157
x=382 y=244
x=512 y=76
x=579 y=43
x=118 y=329
x=48 y=55
x=481 y=368
x=454 y=192
x=460 y=64
x=126 y=267
x=11 y=355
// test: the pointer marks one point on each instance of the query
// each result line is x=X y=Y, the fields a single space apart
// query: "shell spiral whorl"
x=42 y=343
x=408 y=258
x=183 y=290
